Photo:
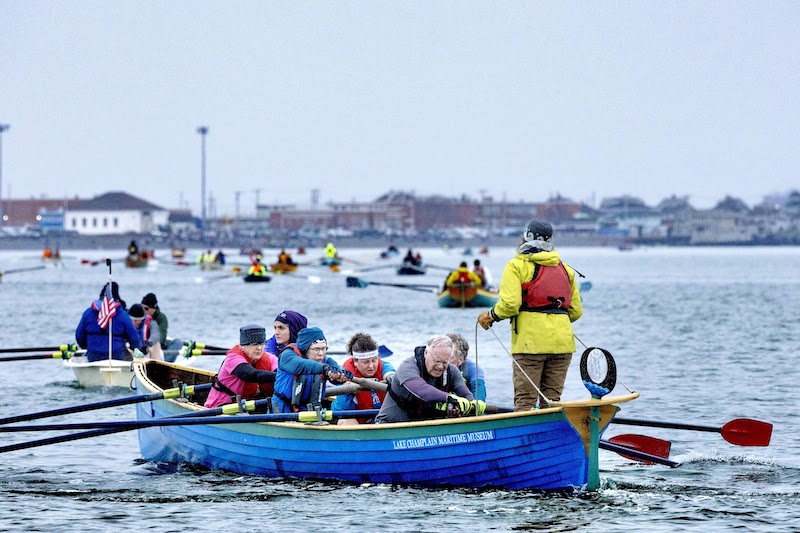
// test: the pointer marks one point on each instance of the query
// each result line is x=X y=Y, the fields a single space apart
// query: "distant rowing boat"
x=467 y=295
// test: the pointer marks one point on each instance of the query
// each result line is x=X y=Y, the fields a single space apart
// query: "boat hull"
x=467 y=296
x=532 y=450
x=106 y=373
x=251 y=278
x=282 y=268
x=410 y=269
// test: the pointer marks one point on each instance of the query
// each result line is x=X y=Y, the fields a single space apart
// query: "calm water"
x=705 y=335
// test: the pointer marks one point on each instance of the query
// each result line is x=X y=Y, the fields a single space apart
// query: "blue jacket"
x=292 y=366
x=95 y=340
x=476 y=384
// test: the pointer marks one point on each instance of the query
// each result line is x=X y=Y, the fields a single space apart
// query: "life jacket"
x=366 y=399
x=306 y=388
x=247 y=390
x=463 y=276
x=413 y=406
x=548 y=291
x=253 y=390
x=257 y=269
x=144 y=329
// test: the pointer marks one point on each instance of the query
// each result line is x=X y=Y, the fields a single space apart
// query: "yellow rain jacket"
x=534 y=332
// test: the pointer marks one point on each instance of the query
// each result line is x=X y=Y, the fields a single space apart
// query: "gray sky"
x=520 y=100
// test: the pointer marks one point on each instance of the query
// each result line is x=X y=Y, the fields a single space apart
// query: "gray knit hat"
x=252 y=334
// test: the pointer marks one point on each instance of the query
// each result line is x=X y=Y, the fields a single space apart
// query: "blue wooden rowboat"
x=548 y=449
x=467 y=295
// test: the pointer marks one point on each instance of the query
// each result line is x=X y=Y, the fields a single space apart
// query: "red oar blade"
x=642 y=443
x=747 y=432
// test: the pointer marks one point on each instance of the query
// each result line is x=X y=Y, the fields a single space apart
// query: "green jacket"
x=532 y=332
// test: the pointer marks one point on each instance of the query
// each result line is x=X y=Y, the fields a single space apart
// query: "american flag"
x=108 y=308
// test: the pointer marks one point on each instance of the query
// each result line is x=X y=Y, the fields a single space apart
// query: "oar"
x=311 y=279
x=63 y=347
x=53 y=355
x=167 y=394
x=302 y=416
x=200 y=279
x=630 y=452
x=741 y=431
x=225 y=409
x=383 y=351
x=643 y=443
x=379 y=267
x=361 y=284
x=195 y=352
x=26 y=269
x=437 y=267
x=192 y=345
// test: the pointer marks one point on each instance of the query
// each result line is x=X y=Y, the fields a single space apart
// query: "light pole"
x=203 y=130
x=3 y=127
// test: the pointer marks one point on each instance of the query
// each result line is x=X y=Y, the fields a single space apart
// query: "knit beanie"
x=252 y=334
x=309 y=336
x=136 y=311
x=294 y=320
x=150 y=300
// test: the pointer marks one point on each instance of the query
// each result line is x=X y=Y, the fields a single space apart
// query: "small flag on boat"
x=108 y=308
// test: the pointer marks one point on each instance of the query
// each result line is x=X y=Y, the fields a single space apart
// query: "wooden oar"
x=741 y=431
x=167 y=394
x=63 y=347
x=361 y=284
x=631 y=453
x=53 y=355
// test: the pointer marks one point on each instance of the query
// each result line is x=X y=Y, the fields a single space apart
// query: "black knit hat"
x=252 y=334
x=150 y=300
x=136 y=311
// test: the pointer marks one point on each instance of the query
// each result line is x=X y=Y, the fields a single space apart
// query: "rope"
x=545 y=398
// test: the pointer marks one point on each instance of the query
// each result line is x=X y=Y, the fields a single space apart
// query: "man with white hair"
x=428 y=385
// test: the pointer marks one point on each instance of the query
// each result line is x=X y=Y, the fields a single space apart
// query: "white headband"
x=365 y=355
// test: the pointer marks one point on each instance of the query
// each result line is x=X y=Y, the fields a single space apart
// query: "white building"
x=114 y=213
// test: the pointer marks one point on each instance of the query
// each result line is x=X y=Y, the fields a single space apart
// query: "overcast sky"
x=515 y=100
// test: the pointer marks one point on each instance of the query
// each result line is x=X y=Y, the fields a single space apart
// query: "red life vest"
x=364 y=397
x=463 y=277
x=253 y=390
x=548 y=291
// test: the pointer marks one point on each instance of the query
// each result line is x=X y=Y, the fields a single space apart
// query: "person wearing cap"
x=91 y=336
x=303 y=368
x=148 y=330
x=539 y=294
x=428 y=386
x=363 y=362
x=246 y=372
x=473 y=374
x=462 y=276
x=286 y=325
x=150 y=306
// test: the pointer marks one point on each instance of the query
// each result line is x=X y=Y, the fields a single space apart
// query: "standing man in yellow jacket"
x=539 y=294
